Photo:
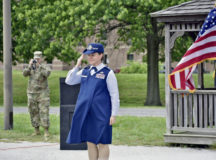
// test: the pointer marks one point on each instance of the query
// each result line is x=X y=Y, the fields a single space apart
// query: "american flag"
x=204 y=48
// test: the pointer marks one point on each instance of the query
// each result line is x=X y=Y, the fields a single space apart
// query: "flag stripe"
x=201 y=47
x=195 y=60
x=182 y=79
x=199 y=53
x=186 y=73
x=209 y=34
x=177 y=80
x=197 y=44
x=190 y=85
x=172 y=77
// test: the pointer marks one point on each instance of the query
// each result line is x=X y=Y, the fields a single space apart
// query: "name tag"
x=84 y=76
x=100 y=76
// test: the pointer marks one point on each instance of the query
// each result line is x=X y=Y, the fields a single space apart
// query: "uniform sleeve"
x=26 y=71
x=112 y=86
x=45 y=70
x=73 y=76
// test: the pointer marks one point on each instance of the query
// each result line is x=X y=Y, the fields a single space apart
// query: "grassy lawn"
x=22 y=129
x=128 y=130
x=20 y=84
x=132 y=88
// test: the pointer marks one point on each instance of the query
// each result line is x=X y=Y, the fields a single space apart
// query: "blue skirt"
x=90 y=126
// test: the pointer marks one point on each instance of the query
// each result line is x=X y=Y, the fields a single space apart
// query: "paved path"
x=50 y=151
x=148 y=112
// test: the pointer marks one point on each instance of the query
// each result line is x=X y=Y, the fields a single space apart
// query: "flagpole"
x=214 y=74
x=7 y=54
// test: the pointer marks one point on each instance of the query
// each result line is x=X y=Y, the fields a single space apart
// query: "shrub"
x=137 y=67
x=134 y=67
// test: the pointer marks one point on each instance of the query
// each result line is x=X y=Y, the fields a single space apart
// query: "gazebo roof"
x=195 y=10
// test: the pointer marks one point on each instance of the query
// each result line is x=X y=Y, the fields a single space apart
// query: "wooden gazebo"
x=191 y=118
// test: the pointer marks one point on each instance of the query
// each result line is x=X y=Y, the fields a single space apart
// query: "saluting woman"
x=97 y=104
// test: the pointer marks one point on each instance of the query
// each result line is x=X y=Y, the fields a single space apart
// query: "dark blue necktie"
x=94 y=68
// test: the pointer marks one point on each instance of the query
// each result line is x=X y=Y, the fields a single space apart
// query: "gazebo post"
x=167 y=72
x=200 y=76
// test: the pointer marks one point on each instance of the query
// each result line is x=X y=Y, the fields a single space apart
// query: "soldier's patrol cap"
x=37 y=54
x=93 y=48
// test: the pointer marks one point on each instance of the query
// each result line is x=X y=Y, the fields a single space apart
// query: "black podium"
x=68 y=97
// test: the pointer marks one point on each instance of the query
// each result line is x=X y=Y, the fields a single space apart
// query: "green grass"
x=22 y=129
x=132 y=88
x=20 y=85
x=128 y=130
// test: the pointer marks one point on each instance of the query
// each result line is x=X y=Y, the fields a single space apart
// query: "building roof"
x=185 y=11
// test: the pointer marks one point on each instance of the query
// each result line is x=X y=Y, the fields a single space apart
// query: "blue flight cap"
x=93 y=48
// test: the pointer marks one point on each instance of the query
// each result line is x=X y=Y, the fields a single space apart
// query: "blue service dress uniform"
x=93 y=110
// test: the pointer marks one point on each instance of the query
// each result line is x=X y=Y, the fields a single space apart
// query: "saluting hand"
x=79 y=60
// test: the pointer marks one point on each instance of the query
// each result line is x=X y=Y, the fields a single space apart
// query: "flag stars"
x=209 y=22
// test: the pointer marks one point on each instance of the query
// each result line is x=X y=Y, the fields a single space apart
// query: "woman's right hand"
x=79 y=60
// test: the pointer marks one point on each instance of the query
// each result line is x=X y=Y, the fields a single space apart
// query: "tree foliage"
x=46 y=26
x=181 y=46
x=57 y=27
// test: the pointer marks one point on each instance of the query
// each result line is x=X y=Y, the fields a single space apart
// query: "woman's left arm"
x=112 y=86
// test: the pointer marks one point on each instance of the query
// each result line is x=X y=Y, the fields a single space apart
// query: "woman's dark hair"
x=102 y=57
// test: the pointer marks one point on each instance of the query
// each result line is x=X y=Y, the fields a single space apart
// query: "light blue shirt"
x=74 y=77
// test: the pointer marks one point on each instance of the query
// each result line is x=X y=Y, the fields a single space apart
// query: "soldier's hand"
x=30 y=62
x=79 y=61
x=38 y=63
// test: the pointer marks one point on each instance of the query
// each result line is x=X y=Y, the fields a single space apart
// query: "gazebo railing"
x=193 y=112
x=185 y=26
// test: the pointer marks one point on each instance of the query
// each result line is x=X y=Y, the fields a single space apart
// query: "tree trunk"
x=153 y=92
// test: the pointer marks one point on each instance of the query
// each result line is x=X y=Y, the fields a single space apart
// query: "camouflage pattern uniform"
x=38 y=95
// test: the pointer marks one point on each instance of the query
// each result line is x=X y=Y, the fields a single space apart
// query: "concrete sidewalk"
x=140 y=112
x=50 y=151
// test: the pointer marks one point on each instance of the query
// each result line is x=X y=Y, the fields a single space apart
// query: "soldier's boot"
x=37 y=131
x=46 y=133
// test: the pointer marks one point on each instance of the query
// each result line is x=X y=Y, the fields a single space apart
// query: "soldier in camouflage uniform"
x=38 y=93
